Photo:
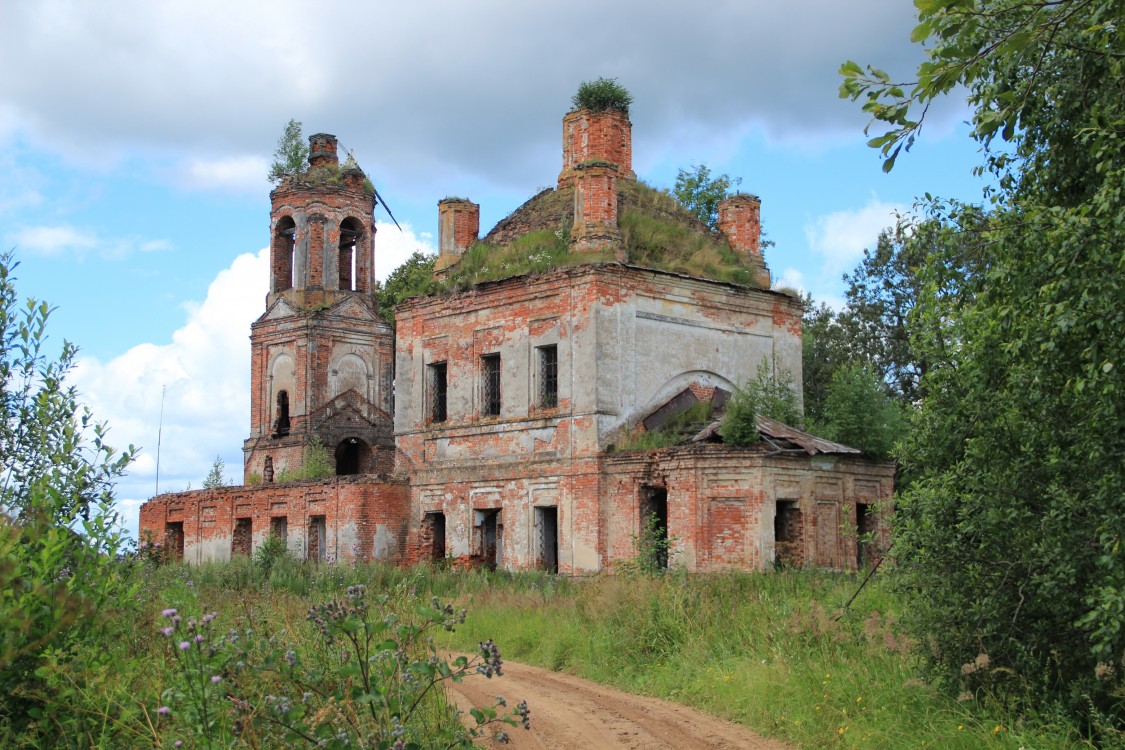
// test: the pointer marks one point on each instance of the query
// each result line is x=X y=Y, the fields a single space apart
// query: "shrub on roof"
x=602 y=95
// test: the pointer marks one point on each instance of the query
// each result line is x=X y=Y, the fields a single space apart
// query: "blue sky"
x=135 y=138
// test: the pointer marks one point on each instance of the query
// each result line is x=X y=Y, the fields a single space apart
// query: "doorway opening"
x=433 y=525
x=865 y=526
x=490 y=538
x=653 y=539
x=547 y=538
x=348 y=453
x=174 y=540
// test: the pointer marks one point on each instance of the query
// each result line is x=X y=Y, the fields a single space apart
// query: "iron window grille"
x=548 y=376
x=490 y=385
x=438 y=384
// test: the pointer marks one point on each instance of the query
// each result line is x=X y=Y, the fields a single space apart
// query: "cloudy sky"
x=135 y=138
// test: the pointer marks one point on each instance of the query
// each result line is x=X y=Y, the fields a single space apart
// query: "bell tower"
x=321 y=356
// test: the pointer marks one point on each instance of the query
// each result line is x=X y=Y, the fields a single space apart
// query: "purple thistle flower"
x=169 y=613
x=167 y=632
x=184 y=645
x=163 y=710
x=216 y=679
x=199 y=639
x=178 y=743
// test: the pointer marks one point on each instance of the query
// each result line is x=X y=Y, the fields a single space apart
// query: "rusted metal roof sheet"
x=777 y=431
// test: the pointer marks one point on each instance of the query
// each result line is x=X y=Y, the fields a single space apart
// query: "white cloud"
x=206 y=372
x=242 y=173
x=205 y=376
x=53 y=240
x=841 y=236
x=790 y=278
x=63 y=239
x=393 y=247
x=211 y=89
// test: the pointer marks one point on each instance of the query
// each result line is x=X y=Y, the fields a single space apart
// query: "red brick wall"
x=365 y=518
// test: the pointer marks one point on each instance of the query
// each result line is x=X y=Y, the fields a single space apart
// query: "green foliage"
x=318 y=463
x=291 y=155
x=860 y=413
x=677 y=430
x=415 y=277
x=215 y=477
x=1011 y=532
x=769 y=394
x=382 y=692
x=58 y=529
x=701 y=194
x=653 y=547
x=267 y=554
x=765 y=650
x=602 y=95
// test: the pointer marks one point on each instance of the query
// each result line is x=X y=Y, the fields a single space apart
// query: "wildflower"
x=960 y=727
x=216 y=679
x=184 y=645
x=169 y=613
x=167 y=631
x=199 y=639
x=996 y=729
x=178 y=743
x=163 y=710
x=859 y=699
x=209 y=617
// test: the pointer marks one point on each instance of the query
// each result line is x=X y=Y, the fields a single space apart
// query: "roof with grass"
x=657 y=232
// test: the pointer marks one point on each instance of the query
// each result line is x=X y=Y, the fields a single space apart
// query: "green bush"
x=602 y=95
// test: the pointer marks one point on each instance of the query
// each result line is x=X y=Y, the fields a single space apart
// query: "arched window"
x=281 y=256
x=350 y=233
x=281 y=424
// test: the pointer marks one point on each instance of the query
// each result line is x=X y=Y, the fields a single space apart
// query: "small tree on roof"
x=602 y=95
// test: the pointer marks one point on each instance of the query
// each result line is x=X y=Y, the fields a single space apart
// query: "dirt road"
x=569 y=712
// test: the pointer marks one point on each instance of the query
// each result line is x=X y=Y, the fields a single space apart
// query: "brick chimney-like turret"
x=322 y=150
x=458 y=229
x=596 y=136
x=740 y=220
x=595 y=210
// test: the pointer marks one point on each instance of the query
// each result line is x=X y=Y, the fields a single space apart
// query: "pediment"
x=279 y=309
x=352 y=308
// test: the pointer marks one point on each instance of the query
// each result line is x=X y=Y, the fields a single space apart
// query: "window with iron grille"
x=548 y=376
x=437 y=372
x=490 y=385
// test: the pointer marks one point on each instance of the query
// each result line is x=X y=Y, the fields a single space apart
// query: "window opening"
x=547 y=538
x=653 y=538
x=438 y=385
x=347 y=456
x=174 y=540
x=317 y=538
x=349 y=240
x=279 y=527
x=433 y=524
x=548 y=376
x=281 y=426
x=490 y=385
x=242 y=541
x=785 y=519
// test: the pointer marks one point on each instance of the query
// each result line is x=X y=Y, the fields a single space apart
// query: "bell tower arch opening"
x=282 y=251
x=351 y=235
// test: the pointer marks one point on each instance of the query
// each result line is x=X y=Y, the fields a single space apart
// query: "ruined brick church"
x=492 y=424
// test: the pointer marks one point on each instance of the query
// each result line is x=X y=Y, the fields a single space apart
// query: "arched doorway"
x=349 y=454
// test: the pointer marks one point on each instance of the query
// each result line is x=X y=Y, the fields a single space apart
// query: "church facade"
x=497 y=421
